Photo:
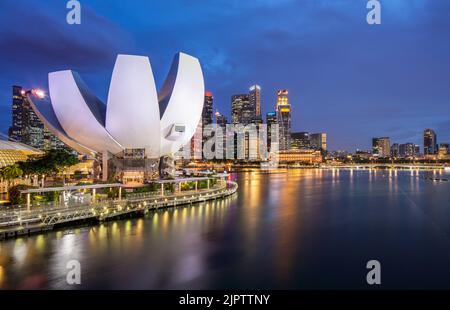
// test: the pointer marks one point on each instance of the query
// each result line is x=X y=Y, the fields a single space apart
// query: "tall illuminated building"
x=381 y=147
x=239 y=103
x=26 y=126
x=207 y=112
x=221 y=122
x=255 y=99
x=395 y=150
x=207 y=115
x=300 y=140
x=15 y=131
x=406 y=150
x=429 y=142
x=416 y=150
x=271 y=121
x=284 y=119
x=318 y=141
x=197 y=143
x=253 y=141
x=51 y=142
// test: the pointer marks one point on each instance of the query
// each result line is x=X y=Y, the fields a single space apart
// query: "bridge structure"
x=408 y=166
x=29 y=219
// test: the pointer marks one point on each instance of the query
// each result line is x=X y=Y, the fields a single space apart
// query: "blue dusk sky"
x=345 y=77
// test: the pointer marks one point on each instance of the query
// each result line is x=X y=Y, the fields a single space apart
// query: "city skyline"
x=316 y=65
x=199 y=151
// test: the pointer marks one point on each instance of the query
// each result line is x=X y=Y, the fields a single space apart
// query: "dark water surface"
x=302 y=229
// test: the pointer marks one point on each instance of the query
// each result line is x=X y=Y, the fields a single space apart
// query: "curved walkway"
x=16 y=223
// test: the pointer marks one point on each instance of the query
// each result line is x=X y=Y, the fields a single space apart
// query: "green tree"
x=15 y=197
x=10 y=173
x=53 y=162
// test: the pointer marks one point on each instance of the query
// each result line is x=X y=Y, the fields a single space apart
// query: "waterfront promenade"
x=21 y=220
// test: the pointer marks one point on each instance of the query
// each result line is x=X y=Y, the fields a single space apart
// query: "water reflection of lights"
x=2 y=275
x=40 y=243
x=165 y=221
x=139 y=227
x=115 y=230
x=20 y=251
x=67 y=244
x=183 y=216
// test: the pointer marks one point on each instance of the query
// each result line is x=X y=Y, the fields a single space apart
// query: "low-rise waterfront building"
x=308 y=156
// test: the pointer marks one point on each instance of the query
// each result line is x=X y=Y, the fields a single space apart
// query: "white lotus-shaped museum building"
x=136 y=116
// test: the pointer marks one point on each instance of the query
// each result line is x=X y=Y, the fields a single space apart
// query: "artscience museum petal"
x=181 y=102
x=80 y=113
x=135 y=117
x=132 y=113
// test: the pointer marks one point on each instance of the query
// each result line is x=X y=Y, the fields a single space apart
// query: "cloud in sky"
x=345 y=77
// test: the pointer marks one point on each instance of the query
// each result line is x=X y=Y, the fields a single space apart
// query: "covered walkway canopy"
x=70 y=188
x=63 y=189
x=189 y=179
x=94 y=187
x=181 y=180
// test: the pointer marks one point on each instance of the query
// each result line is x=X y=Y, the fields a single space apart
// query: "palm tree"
x=9 y=173
x=12 y=172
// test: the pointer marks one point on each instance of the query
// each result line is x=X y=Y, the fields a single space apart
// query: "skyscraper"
x=221 y=122
x=381 y=147
x=26 y=126
x=416 y=150
x=248 y=113
x=238 y=104
x=318 y=141
x=395 y=150
x=15 y=131
x=207 y=113
x=284 y=119
x=406 y=150
x=429 y=142
x=197 y=143
x=51 y=142
x=255 y=99
x=300 y=140
x=271 y=120
x=253 y=141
